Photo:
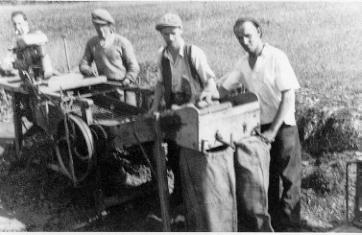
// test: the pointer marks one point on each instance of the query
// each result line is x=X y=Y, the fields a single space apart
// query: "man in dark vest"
x=185 y=77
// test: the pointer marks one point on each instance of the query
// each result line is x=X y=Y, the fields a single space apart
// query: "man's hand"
x=126 y=82
x=88 y=72
x=269 y=135
x=206 y=96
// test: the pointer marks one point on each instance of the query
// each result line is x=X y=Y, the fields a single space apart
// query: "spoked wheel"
x=74 y=148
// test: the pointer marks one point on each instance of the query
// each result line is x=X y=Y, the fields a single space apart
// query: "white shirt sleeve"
x=159 y=65
x=201 y=65
x=33 y=38
x=285 y=76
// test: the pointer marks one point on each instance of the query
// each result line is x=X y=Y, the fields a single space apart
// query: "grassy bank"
x=322 y=40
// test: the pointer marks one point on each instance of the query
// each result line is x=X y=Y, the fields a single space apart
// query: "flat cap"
x=102 y=16
x=169 y=20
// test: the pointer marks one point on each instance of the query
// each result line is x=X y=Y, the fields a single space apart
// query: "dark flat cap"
x=169 y=20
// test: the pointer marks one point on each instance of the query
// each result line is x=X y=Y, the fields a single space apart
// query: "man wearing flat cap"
x=112 y=54
x=267 y=72
x=185 y=77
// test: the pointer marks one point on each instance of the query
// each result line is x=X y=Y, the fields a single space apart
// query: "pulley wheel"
x=74 y=147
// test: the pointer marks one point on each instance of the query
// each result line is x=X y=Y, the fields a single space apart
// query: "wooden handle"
x=161 y=175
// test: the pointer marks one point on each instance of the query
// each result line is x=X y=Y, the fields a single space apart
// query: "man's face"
x=21 y=26
x=249 y=37
x=171 y=35
x=103 y=30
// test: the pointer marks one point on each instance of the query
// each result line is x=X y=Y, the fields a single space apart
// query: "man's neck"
x=177 y=46
x=258 y=51
x=254 y=56
x=107 y=40
x=175 y=50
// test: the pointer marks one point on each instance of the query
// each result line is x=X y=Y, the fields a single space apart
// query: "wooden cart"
x=82 y=116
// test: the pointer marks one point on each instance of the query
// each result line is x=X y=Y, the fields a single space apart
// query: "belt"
x=266 y=126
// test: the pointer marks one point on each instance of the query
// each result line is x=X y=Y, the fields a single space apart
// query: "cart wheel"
x=74 y=148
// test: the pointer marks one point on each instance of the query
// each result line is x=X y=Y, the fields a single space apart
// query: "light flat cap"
x=169 y=20
x=102 y=16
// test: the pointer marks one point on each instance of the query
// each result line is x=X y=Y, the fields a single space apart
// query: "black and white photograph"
x=181 y=116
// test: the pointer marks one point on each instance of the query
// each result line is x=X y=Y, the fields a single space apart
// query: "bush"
x=148 y=74
x=5 y=105
x=327 y=130
x=325 y=179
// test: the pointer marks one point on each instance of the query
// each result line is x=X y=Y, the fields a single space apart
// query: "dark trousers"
x=173 y=158
x=285 y=178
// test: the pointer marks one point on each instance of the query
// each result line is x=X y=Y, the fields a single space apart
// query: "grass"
x=322 y=40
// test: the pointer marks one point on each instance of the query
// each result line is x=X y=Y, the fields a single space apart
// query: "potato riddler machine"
x=82 y=117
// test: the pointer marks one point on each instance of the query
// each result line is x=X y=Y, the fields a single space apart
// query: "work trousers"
x=285 y=178
x=128 y=97
x=173 y=158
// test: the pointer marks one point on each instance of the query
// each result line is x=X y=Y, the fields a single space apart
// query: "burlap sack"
x=208 y=185
x=252 y=159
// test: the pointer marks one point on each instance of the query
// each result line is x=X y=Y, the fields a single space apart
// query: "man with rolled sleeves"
x=185 y=77
x=266 y=71
x=112 y=54
x=28 y=55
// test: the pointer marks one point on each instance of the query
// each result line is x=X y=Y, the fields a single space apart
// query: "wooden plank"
x=70 y=81
x=198 y=127
x=54 y=84
x=161 y=174
x=124 y=132
x=115 y=104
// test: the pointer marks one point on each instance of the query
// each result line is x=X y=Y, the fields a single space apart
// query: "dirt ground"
x=35 y=199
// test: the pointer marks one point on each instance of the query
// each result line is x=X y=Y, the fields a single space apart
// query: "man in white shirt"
x=266 y=71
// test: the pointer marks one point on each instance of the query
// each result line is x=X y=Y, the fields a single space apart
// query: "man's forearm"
x=133 y=72
x=210 y=87
x=285 y=105
x=84 y=67
x=130 y=60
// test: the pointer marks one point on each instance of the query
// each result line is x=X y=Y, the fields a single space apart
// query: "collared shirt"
x=272 y=74
x=180 y=67
x=114 y=58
